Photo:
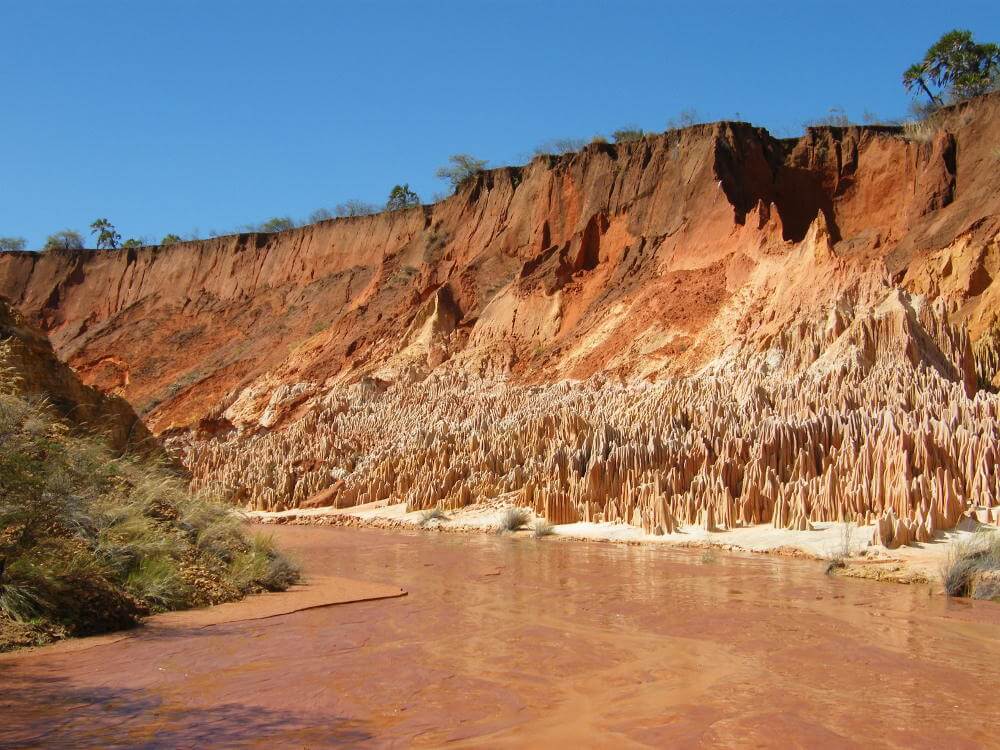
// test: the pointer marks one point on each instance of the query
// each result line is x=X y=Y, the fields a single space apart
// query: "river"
x=511 y=642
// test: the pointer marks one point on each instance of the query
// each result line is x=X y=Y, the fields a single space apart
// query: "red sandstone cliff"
x=29 y=367
x=784 y=267
x=647 y=257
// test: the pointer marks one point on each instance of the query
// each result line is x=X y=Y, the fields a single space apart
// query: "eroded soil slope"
x=28 y=364
x=707 y=325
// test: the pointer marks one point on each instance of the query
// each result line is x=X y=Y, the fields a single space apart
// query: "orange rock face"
x=708 y=326
x=28 y=367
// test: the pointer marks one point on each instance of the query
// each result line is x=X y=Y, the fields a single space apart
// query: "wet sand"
x=506 y=642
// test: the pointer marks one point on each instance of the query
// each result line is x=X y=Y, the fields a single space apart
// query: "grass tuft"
x=513 y=519
x=842 y=550
x=921 y=131
x=542 y=527
x=835 y=564
x=261 y=568
x=434 y=514
x=973 y=566
x=157 y=581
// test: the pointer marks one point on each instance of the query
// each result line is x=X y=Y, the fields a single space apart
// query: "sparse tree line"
x=955 y=68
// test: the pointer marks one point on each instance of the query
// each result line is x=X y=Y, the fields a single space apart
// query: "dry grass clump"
x=842 y=550
x=922 y=130
x=435 y=514
x=973 y=567
x=542 y=527
x=513 y=519
x=91 y=541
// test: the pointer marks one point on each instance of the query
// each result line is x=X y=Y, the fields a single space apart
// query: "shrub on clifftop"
x=627 y=134
x=401 y=197
x=277 y=224
x=12 y=244
x=354 y=207
x=67 y=239
x=462 y=167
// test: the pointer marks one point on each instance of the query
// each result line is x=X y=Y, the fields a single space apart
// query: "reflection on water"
x=509 y=641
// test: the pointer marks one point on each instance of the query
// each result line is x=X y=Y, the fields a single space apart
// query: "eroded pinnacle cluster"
x=877 y=426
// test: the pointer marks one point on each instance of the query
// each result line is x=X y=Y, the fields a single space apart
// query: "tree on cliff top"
x=401 y=197
x=277 y=224
x=463 y=167
x=957 y=66
x=107 y=236
x=67 y=239
x=355 y=207
x=10 y=244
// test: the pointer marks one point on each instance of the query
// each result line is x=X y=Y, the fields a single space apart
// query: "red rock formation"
x=817 y=318
x=29 y=368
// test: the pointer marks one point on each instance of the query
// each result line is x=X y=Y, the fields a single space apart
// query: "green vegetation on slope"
x=91 y=542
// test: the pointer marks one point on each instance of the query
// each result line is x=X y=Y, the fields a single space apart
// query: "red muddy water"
x=505 y=642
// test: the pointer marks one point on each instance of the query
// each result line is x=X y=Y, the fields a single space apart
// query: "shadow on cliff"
x=50 y=711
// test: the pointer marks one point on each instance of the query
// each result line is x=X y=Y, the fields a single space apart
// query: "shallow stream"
x=523 y=642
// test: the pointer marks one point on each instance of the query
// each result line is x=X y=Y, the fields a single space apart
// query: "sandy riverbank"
x=848 y=543
x=315 y=592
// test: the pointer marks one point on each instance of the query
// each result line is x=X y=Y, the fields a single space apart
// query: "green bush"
x=462 y=168
x=258 y=567
x=12 y=244
x=627 y=134
x=401 y=197
x=277 y=224
x=91 y=541
x=66 y=239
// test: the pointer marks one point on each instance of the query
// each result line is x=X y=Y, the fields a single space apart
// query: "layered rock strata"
x=707 y=326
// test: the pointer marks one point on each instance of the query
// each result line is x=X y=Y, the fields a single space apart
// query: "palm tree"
x=107 y=235
x=958 y=66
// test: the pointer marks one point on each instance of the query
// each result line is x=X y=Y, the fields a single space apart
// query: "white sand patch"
x=827 y=540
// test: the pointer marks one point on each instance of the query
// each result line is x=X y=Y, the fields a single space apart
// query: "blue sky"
x=202 y=115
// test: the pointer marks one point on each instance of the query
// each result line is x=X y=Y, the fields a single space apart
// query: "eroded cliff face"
x=28 y=367
x=707 y=324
